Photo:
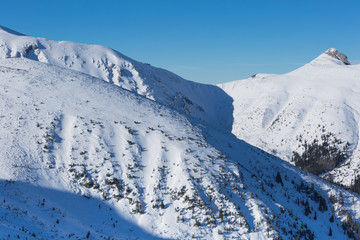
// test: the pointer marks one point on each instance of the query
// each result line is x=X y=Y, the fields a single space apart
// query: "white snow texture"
x=95 y=145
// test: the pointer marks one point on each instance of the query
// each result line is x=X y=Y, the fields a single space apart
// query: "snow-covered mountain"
x=82 y=158
x=320 y=100
x=274 y=112
x=206 y=102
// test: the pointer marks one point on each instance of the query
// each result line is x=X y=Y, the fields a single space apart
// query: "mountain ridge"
x=206 y=102
x=151 y=170
x=278 y=111
x=150 y=165
x=214 y=104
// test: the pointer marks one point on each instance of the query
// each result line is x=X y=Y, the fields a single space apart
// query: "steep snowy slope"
x=320 y=100
x=82 y=158
x=278 y=113
x=206 y=102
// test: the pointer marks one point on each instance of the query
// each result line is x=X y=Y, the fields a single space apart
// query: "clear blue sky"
x=204 y=41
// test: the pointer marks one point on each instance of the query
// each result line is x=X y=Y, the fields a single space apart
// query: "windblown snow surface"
x=81 y=158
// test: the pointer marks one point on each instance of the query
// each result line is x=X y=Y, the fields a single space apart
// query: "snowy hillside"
x=146 y=154
x=81 y=158
x=206 y=102
x=283 y=113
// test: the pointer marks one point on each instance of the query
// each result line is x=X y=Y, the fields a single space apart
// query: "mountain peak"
x=331 y=57
x=332 y=52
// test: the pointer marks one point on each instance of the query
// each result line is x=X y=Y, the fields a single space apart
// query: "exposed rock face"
x=337 y=55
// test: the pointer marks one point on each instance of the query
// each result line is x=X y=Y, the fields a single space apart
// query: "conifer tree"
x=278 y=179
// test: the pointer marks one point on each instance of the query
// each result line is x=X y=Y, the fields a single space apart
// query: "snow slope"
x=278 y=112
x=82 y=158
x=206 y=102
x=273 y=112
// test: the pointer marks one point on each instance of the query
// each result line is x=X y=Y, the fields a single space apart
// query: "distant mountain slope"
x=320 y=100
x=81 y=158
x=206 y=102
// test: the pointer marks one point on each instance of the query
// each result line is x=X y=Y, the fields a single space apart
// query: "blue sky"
x=203 y=41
